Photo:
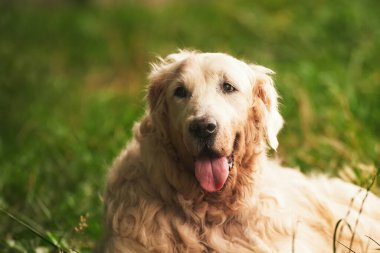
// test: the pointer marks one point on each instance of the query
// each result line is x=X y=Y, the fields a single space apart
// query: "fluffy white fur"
x=153 y=202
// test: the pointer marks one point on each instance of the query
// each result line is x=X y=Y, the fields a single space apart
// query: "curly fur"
x=153 y=203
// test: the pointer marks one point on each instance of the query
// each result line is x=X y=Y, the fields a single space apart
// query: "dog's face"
x=205 y=103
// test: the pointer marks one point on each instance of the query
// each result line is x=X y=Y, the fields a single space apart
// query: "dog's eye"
x=180 y=92
x=228 y=88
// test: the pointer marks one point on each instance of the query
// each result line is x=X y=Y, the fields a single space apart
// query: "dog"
x=195 y=177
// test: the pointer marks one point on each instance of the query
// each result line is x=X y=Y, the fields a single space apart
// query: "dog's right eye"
x=180 y=92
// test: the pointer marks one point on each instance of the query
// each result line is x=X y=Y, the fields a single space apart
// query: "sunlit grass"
x=72 y=81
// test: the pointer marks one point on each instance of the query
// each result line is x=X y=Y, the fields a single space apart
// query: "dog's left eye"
x=228 y=88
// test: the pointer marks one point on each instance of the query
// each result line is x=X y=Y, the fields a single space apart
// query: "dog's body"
x=195 y=177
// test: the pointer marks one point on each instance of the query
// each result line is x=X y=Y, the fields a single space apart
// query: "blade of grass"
x=373 y=240
x=35 y=231
x=346 y=247
x=362 y=206
x=336 y=232
x=349 y=210
x=294 y=238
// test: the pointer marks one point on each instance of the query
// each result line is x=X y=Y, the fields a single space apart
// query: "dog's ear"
x=265 y=100
x=161 y=74
x=157 y=80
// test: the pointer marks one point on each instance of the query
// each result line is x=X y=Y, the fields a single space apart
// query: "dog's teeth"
x=230 y=162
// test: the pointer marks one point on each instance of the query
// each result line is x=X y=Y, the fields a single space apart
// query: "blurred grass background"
x=72 y=78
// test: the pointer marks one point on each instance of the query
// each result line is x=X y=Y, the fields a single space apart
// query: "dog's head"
x=216 y=111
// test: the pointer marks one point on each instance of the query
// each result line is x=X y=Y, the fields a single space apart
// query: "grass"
x=72 y=77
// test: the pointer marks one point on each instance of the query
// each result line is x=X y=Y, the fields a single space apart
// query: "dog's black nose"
x=203 y=127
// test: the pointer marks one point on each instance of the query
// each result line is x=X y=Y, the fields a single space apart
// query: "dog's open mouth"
x=212 y=171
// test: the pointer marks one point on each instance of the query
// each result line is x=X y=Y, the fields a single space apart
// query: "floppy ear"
x=161 y=74
x=157 y=81
x=265 y=103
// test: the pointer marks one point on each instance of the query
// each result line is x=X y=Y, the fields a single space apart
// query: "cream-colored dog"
x=195 y=176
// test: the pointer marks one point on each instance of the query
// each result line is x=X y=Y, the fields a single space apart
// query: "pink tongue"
x=211 y=173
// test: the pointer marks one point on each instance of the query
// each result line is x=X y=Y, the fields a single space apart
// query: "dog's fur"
x=154 y=202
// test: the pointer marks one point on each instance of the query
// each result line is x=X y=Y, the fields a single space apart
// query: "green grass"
x=72 y=80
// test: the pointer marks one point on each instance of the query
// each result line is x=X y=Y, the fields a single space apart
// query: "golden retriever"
x=195 y=176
